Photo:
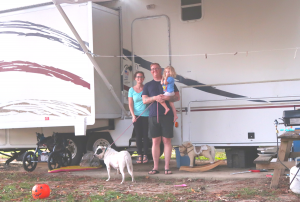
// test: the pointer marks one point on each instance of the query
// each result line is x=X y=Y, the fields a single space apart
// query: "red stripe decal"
x=30 y=67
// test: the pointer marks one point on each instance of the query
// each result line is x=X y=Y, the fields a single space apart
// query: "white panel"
x=120 y=132
x=106 y=41
x=231 y=127
x=150 y=37
x=48 y=79
x=23 y=137
x=2 y=137
x=48 y=131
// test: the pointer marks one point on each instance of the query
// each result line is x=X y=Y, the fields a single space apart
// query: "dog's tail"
x=129 y=165
x=128 y=161
x=213 y=152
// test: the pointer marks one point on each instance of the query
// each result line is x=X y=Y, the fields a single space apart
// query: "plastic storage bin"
x=296 y=146
x=181 y=160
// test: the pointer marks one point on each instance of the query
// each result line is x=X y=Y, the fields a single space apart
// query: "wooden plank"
x=287 y=150
x=263 y=159
x=290 y=134
x=275 y=178
x=294 y=154
x=282 y=150
x=283 y=155
x=274 y=165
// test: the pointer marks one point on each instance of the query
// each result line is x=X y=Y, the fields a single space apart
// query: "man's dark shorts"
x=163 y=128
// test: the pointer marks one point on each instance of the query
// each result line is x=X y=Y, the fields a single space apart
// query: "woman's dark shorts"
x=163 y=128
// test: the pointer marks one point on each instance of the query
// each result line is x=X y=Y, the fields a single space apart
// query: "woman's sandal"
x=140 y=159
x=168 y=172
x=145 y=159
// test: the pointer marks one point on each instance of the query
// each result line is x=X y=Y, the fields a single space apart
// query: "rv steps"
x=263 y=159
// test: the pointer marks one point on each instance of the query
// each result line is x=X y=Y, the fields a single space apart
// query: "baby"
x=167 y=83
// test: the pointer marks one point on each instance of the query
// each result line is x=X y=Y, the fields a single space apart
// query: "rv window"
x=191 y=10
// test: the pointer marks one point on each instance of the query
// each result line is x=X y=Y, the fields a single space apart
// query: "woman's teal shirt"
x=138 y=105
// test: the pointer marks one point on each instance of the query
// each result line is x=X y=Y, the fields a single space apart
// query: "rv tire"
x=75 y=146
x=95 y=139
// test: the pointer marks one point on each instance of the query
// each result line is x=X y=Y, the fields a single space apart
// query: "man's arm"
x=174 y=98
x=148 y=100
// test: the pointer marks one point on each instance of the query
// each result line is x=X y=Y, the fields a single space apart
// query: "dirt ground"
x=92 y=185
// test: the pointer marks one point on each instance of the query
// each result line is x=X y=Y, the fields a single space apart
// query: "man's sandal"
x=153 y=172
x=140 y=159
x=168 y=172
x=145 y=159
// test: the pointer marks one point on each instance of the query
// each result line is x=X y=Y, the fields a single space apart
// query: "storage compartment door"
x=106 y=42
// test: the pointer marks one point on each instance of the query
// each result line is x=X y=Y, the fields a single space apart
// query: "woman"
x=137 y=107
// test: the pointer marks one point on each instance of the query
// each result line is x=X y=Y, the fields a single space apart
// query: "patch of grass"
x=251 y=192
x=13 y=191
x=128 y=179
x=173 y=155
x=56 y=179
x=117 y=196
x=168 y=182
x=137 y=178
x=24 y=185
x=218 y=156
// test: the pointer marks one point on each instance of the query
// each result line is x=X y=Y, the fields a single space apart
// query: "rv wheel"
x=75 y=146
x=99 y=139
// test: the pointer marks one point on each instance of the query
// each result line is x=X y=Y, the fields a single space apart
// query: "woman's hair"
x=138 y=72
x=172 y=72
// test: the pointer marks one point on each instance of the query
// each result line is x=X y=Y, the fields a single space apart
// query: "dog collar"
x=105 y=150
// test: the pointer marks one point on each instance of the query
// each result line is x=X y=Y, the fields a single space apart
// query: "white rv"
x=236 y=61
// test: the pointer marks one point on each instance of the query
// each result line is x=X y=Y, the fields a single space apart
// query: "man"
x=163 y=129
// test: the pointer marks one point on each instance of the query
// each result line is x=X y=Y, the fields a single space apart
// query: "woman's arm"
x=130 y=103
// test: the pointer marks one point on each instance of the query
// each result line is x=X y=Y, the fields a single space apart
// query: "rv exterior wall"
x=226 y=27
x=234 y=41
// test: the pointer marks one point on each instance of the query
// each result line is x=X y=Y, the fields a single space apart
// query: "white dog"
x=118 y=160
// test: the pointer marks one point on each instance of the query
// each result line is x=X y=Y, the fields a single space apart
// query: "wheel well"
x=92 y=137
